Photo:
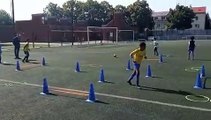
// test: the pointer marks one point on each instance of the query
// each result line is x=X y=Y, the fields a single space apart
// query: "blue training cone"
x=45 y=90
x=101 y=77
x=202 y=72
x=161 y=59
x=91 y=97
x=18 y=66
x=128 y=65
x=149 y=72
x=198 y=83
x=77 y=67
x=43 y=61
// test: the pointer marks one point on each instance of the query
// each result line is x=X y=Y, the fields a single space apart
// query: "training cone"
x=198 y=83
x=101 y=77
x=128 y=65
x=43 y=61
x=45 y=90
x=161 y=59
x=202 y=72
x=18 y=66
x=91 y=97
x=77 y=67
x=149 y=72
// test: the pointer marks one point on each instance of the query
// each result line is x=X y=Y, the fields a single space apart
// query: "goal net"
x=126 y=35
x=102 y=35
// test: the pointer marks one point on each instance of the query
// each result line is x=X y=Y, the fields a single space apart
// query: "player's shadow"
x=179 y=92
x=208 y=60
x=5 y=63
x=101 y=102
x=52 y=94
x=75 y=97
x=82 y=71
x=32 y=61
x=157 y=77
x=205 y=83
x=109 y=82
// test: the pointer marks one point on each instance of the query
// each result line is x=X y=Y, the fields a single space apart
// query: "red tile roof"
x=199 y=9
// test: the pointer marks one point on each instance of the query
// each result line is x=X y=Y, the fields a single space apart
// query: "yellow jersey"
x=26 y=47
x=138 y=55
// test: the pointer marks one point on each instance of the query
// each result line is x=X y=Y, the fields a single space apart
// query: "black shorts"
x=191 y=49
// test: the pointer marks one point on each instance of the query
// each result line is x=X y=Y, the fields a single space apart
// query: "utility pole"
x=13 y=14
x=72 y=24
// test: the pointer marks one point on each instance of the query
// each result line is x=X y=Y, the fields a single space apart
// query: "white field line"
x=119 y=97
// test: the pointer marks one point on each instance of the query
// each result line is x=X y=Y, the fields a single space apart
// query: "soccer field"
x=162 y=97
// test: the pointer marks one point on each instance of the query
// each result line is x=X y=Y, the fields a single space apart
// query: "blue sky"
x=24 y=8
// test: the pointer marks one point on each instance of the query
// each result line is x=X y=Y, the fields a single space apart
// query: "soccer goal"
x=126 y=35
x=102 y=35
x=67 y=37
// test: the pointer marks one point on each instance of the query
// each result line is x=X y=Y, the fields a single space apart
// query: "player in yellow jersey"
x=137 y=55
x=26 y=51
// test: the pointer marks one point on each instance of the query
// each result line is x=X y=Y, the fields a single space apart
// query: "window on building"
x=197 y=18
x=159 y=18
x=156 y=18
x=158 y=25
x=43 y=20
x=197 y=25
x=163 y=18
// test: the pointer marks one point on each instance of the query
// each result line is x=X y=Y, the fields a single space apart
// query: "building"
x=197 y=24
x=50 y=29
x=199 y=21
x=125 y=31
x=160 y=20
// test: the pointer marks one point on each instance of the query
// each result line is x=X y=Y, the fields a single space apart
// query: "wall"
x=200 y=23
x=6 y=33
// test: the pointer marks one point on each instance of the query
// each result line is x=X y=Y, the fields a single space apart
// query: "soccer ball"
x=115 y=55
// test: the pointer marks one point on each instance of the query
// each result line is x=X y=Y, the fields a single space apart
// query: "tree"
x=106 y=12
x=5 y=18
x=140 y=15
x=73 y=9
x=120 y=8
x=207 y=22
x=180 y=18
x=98 y=13
x=124 y=11
x=53 y=10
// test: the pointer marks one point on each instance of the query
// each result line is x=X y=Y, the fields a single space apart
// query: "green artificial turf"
x=171 y=83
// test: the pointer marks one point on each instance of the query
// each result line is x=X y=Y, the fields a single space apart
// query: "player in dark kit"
x=191 y=48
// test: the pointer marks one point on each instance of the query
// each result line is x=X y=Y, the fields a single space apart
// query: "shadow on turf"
x=109 y=82
x=52 y=94
x=101 y=102
x=208 y=88
x=83 y=72
x=4 y=63
x=63 y=95
x=157 y=77
x=202 y=60
x=179 y=92
x=33 y=61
